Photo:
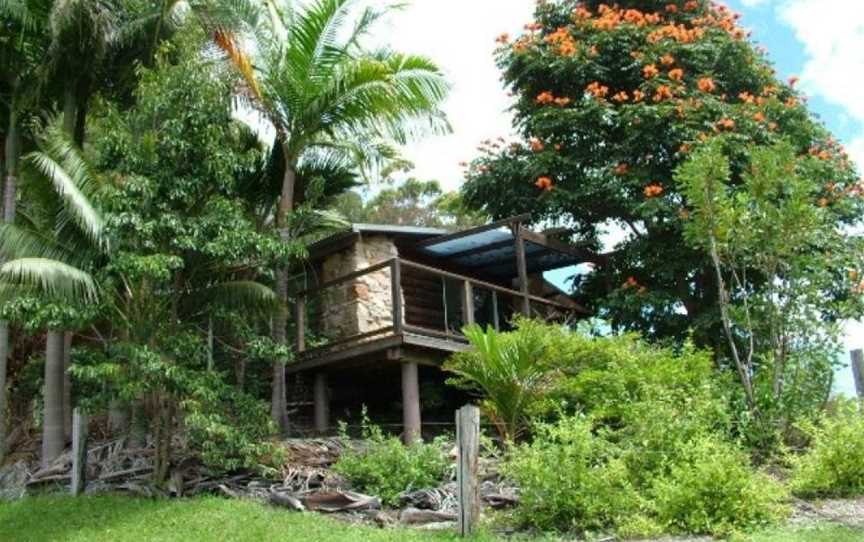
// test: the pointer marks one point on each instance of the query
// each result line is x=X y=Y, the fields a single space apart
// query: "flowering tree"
x=610 y=101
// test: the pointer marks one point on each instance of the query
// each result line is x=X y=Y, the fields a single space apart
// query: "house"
x=390 y=301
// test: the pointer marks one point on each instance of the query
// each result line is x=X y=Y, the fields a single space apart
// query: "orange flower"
x=671 y=8
x=545 y=98
x=746 y=97
x=667 y=60
x=582 y=13
x=544 y=183
x=503 y=38
x=622 y=169
x=692 y=5
x=597 y=90
x=683 y=149
x=791 y=101
x=650 y=71
x=536 y=145
x=563 y=102
x=663 y=93
x=653 y=190
x=631 y=282
x=759 y=117
x=621 y=97
x=677 y=74
x=638 y=95
x=706 y=84
x=726 y=124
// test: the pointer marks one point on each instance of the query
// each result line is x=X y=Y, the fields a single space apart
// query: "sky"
x=821 y=41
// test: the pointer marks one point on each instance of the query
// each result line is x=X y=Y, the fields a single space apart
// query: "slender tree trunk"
x=52 y=425
x=279 y=400
x=67 y=386
x=12 y=152
x=118 y=417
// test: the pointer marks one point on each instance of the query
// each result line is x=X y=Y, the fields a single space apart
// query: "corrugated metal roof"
x=398 y=230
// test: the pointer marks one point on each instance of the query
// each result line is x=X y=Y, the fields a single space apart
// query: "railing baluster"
x=495 y=318
x=467 y=303
x=396 y=284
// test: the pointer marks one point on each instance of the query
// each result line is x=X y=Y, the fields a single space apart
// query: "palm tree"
x=323 y=91
x=23 y=35
x=51 y=252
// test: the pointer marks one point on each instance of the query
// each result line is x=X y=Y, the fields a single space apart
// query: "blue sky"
x=821 y=41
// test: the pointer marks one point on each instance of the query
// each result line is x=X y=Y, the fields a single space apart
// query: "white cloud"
x=460 y=36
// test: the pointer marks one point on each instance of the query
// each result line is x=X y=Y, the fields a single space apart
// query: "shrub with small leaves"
x=833 y=466
x=713 y=490
x=384 y=467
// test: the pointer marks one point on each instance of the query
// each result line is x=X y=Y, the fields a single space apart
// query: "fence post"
x=858 y=371
x=79 y=452
x=468 y=445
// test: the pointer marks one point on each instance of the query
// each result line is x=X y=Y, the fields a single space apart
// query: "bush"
x=712 y=489
x=385 y=467
x=833 y=466
x=570 y=479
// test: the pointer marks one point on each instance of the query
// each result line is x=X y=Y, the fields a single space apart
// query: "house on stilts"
x=379 y=308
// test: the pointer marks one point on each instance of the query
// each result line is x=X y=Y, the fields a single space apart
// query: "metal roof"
x=397 y=230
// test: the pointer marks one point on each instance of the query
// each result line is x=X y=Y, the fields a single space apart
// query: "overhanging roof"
x=492 y=249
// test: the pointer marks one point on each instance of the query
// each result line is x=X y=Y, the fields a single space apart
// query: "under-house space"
x=381 y=307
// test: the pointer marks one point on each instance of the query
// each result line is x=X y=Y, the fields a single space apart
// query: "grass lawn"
x=117 y=519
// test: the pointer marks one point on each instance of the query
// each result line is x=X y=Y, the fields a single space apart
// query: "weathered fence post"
x=79 y=452
x=858 y=371
x=468 y=444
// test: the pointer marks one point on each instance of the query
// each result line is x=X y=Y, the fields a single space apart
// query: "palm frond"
x=73 y=180
x=48 y=277
x=242 y=295
x=17 y=242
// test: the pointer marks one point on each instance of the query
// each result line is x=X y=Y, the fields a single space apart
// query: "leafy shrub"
x=570 y=479
x=713 y=490
x=384 y=467
x=834 y=463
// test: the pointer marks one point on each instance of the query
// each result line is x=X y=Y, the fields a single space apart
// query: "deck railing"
x=398 y=296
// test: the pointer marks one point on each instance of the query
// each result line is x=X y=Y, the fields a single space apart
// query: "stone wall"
x=363 y=304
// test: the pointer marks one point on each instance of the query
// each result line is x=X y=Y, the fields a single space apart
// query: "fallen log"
x=415 y=516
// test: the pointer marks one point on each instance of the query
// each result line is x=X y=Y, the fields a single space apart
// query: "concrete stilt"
x=321 y=399
x=410 y=403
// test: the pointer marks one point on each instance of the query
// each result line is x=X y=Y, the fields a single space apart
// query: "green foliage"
x=833 y=465
x=508 y=370
x=711 y=488
x=570 y=479
x=624 y=434
x=775 y=254
x=384 y=467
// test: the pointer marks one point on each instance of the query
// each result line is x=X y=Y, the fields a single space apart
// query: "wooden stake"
x=79 y=452
x=858 y=371
x=468 y=443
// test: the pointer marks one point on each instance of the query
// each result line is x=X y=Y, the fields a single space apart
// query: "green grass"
x=118 y=519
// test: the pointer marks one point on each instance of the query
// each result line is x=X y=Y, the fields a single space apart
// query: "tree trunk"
x=118 y=417
x=52 y=426
x=279 y=400
x=12 y=151
x=67 y=386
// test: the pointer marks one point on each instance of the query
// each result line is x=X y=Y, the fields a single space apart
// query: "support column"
x=410 y=403
x=522 y=269
x=321 y=400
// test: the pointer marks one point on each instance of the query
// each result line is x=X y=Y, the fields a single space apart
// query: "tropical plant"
x=509 y=371
x=325 y=93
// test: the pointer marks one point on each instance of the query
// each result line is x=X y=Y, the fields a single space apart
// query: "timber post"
x=411 y=423
x=467 y=486
x=467 y=303
x=79 y=452
x=396 y=293
x=321 y=401
x=522 y=268
x=858 y=371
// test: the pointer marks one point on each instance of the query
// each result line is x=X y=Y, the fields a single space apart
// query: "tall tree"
x=610 y=101
x=325 y=93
